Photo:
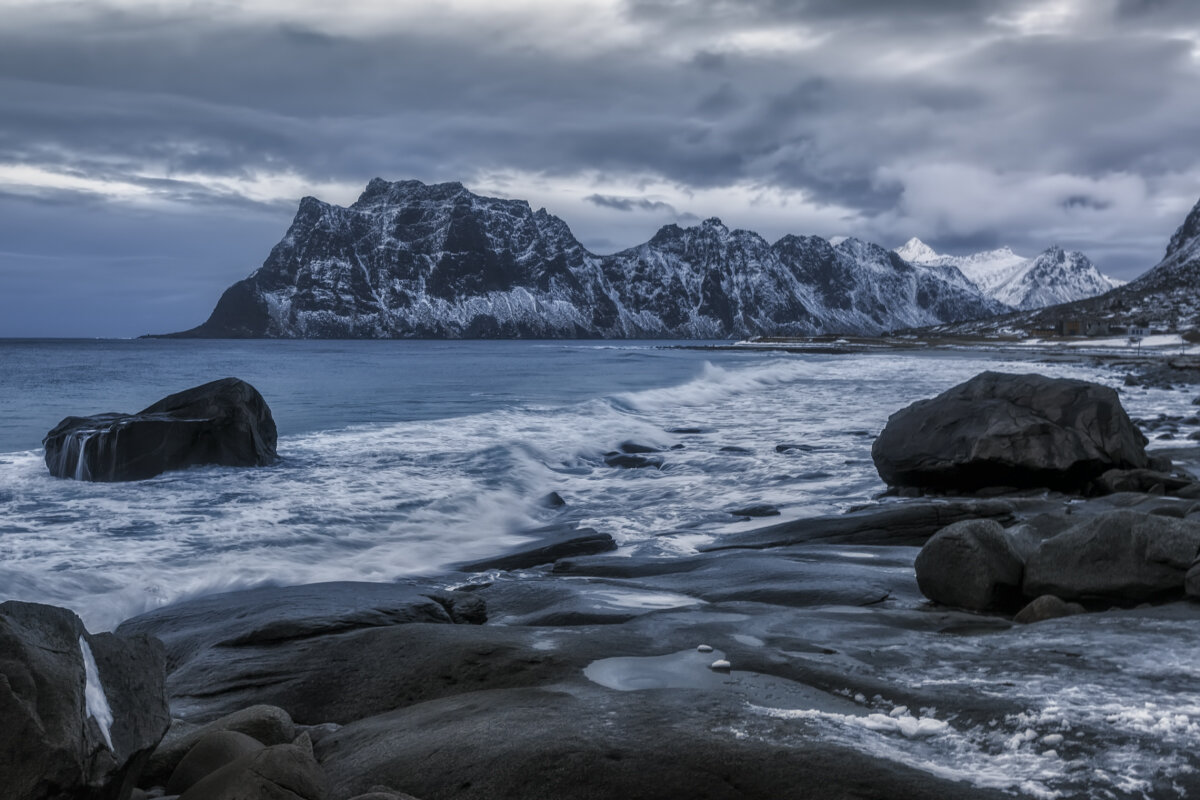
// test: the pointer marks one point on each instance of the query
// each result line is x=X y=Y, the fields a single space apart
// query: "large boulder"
x=1009 y=430
x=1118 y=556
x=972 y=565
x=281 y=772
x=81 y=713
x=267 y=724
x=225 y=423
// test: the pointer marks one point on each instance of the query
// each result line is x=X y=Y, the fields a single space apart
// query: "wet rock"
x=80 y=712
x=266 y=724
x=1047 y=607
x=762 y=510
x=689 y=431
x=273 y=773
x=735 y=450
x=553 y=747
x=1009 y=430
x=632 y=461
x=563 y=543
x=889 y=524
x=1191 y=580
x=789 y=448
x=1138 y=480
x=225 y=423
x=210 y=752
x=1159 y=462
x=383 y=793
x=552 y=500
x=274 y=616
x=971 y=565
x=634 y=448
x=797 y=578
x=1119 y=556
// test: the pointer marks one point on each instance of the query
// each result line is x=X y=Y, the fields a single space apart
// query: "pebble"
x=705 y=648
x=720 y=664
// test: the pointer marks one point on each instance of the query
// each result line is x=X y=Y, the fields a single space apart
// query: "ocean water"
x=400 y=458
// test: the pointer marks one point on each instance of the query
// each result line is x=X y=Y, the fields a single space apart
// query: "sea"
x=402 y=458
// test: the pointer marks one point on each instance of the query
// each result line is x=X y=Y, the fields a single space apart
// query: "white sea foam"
x=383 y=501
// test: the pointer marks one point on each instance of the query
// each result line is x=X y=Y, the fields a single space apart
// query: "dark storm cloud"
x=630 y=203
x=966 y=122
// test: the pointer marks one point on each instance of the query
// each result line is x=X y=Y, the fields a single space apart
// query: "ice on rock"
x=95 y=700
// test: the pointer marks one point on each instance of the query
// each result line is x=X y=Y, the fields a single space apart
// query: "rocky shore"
x=1009 y=622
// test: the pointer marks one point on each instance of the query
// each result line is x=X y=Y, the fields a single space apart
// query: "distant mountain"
x=1050 y=278
x=436 y=261
x=1166 y=296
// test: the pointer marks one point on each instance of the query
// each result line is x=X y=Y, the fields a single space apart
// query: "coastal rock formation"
x=410 y=260
x=269 y=773
x=80 y=712
x=970 y=565
x=265 y=724
x=1009 y=430
x=224 y=422
x=1119 y=556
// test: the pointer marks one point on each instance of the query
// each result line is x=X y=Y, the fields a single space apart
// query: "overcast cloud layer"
x=151 y=153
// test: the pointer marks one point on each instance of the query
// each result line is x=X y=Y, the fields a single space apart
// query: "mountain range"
x=409 y=259
x=1053 y=276
x=1167 y=297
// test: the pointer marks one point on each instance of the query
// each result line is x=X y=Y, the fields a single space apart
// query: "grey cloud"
x=839 y=122
x=630 y=203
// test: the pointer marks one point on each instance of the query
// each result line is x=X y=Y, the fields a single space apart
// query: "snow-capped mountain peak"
x=1052 y=277
x=917 y=252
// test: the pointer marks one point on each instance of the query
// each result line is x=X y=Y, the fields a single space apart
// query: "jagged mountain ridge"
x=1052 y=277
x=1167 y=294
x=437 y=261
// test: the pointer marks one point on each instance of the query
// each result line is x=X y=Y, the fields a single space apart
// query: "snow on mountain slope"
x=1165 y=297
x=415 y=260
x=1050 y=278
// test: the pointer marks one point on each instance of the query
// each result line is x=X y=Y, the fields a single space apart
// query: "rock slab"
x=1000 y=429
x=223 y=423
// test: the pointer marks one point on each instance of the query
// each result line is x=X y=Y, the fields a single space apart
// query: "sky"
x=152 y=152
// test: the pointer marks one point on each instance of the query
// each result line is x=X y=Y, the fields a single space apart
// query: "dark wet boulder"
x=632 y=461
x=1047 y=607
x=1010 y=430
x=209 y=754
x=972 y=565
x=1118 y=556
x=273 y=773
x=760 y=510
x=80 y=713
x=267 y=724
x=223 y=423
x=1139 y=480
x=1191 y=580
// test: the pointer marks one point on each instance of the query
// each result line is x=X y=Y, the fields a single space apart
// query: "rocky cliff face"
x=415 y=260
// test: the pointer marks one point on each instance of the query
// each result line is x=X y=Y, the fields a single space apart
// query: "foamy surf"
x=385 y=500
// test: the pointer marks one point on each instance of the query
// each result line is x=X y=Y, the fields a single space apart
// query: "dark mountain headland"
x=410 y=260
